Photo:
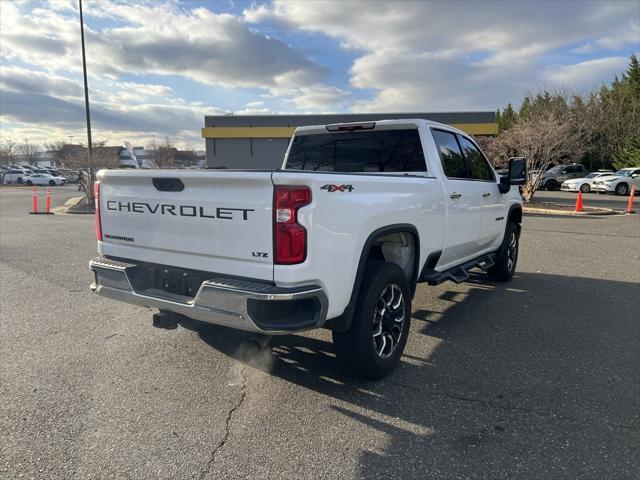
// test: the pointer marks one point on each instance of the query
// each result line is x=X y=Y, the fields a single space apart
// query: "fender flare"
x=515 y=213
x=343 y=322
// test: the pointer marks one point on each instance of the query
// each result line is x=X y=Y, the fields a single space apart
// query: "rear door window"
x=450 y=154
x=368 y=151
x=479 y=168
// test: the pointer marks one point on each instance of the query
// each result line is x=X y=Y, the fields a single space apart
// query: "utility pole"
x=86 y=103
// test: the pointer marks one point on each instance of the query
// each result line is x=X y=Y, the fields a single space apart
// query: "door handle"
x=455 y=195
x=486 y=194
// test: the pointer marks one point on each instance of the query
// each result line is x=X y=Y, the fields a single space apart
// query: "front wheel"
x=52 y=183
x=29 y=183
x=378 y=334
x=585 y=188
x=622 y=189
x=507 y=257
x=551 y=185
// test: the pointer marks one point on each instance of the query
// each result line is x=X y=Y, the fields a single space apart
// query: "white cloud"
x=454 y=55
x=148 y=38
x=585 y=75
x=314 y=98
x=629 y=33
x=159 y=39
x=36 y=102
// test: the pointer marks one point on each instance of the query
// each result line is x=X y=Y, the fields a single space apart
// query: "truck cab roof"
x=373 y=125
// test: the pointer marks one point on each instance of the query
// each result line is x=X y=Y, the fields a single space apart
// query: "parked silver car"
x=555 y=176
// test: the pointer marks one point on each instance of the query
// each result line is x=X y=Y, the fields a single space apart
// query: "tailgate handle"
x=168 y=184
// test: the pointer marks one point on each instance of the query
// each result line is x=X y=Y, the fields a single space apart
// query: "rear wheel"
x=622 y=189
x=378 y=334
x=585 y=188
x=52 y=183
x=507 y=257
x=29 y=182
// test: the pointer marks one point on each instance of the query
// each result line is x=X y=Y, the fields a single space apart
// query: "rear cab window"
x=461 y=158
x=374 y=151
x=450 y=154
x=479 y=168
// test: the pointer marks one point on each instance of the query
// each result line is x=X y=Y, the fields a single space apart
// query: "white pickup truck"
x=338 y=237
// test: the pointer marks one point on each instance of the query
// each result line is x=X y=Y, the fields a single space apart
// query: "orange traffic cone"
x=630 y=206
x=579 y=203
x=47 y=208
x=35 y=199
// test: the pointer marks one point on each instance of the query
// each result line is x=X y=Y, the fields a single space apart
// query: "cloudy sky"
x=156 y=68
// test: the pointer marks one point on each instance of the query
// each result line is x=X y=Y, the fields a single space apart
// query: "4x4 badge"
x=337 y=188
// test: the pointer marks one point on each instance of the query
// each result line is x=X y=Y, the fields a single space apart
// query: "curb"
x=569 y=213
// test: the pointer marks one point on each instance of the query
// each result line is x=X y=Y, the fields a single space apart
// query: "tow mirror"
x=517 y=174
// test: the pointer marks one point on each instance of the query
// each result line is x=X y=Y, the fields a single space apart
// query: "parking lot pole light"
x=86 y=102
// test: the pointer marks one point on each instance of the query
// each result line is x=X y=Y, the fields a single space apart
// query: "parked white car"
x=619 y=183
x=15 y=175
x=583 y=184
x=44 y=179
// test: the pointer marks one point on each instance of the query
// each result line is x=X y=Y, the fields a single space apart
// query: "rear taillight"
x=96 y=197
x=289 y=237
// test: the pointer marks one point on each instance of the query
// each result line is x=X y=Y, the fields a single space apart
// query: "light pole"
x=86 y=103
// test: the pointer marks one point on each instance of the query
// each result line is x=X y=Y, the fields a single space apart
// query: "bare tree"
x=105 y=156
x=544 y=140
x=30 y=151
x=56 y=149
x=7 y=152
x=165 y=155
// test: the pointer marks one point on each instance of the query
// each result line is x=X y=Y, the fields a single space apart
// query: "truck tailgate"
x=218 y=221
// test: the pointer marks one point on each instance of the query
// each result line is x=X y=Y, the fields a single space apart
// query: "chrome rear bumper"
x=220 y=300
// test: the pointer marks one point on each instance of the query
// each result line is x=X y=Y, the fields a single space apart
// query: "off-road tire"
x=506 y=258
x=356 y=348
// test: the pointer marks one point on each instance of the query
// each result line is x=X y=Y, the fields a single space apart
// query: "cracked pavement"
x=537 y=378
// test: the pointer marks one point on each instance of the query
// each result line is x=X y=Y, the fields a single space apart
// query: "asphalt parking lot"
x=537 y=378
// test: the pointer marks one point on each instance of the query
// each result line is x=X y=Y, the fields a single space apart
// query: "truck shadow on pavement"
x=534 y=378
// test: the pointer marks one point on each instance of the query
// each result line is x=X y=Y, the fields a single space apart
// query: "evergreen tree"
x=509 y=117
x=506 y=118
x=632 y=75
x=525 y=108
